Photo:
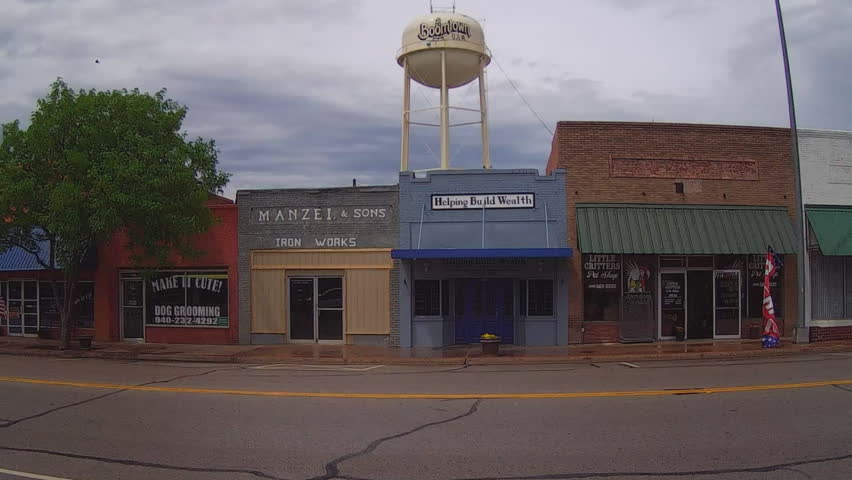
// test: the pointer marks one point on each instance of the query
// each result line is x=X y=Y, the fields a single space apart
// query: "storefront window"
x=187 y=299
x=4 y=304
x=756 y=270
x=831 y=287
x=428 y=298
x=48 y=306
x=540 y=298
x=84 y=305
x=700 y=261
x=601 y=288
x=672 y=262
x=82 y=311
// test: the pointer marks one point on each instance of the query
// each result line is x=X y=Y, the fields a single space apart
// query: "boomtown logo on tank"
x=440 y=30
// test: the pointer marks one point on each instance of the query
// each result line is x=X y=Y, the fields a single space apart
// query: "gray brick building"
x=315 y=265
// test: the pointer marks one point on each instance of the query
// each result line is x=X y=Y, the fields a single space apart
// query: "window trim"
x=552 y=293
x=441 y=312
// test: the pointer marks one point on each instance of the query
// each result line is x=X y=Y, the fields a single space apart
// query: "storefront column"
x=406 y=284
x=563 y=303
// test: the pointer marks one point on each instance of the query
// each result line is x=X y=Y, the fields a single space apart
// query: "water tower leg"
x=483 y=111
x=445 y=114
x=406 y=118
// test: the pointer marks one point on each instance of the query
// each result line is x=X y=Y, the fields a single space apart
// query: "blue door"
x=484 y=305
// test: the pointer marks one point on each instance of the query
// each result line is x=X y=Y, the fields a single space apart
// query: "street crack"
x=137 y=463
x=332 y=468
x=721 y=471
x=11 y=423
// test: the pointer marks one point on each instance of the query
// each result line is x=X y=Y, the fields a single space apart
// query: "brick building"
x=315 y=265
x=194 y=301
x=673 y=222
x=826 y=166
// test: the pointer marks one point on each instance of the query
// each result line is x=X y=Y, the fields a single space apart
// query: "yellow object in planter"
x=488 y=336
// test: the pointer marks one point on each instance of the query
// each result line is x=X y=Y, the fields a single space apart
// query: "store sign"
x=727 y=289
x=187 y=299
x=302 y=215
x=638 y=278
x=673 y=291
x=324 y=241
x=480 y=201
x=440 y=30
x=602 y=272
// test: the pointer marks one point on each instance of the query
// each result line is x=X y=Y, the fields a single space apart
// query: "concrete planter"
x=490 y=346
x=754 y=331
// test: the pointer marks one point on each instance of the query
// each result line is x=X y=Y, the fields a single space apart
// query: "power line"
x=521 y=95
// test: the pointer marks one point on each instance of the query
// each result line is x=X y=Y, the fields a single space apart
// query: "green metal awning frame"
x=832 y=227
x=683 y=229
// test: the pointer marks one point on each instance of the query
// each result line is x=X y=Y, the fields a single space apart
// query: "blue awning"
x=18 y=259
x=483 y=253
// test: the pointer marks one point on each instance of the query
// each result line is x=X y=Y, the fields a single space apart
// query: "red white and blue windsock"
x=771 y=334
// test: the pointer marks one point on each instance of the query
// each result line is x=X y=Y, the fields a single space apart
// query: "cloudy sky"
x=308 y=92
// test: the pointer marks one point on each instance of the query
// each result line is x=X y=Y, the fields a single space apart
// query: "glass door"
x=672 y=304
x=329 y=309
x=23 y=308
x=316 y=309
x=132 y=309
x=301 y=299
x=699 y=304
x=726 y=304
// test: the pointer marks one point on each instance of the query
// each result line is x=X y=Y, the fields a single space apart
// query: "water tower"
x=443 y=50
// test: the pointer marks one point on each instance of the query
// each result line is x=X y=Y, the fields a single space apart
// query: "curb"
x=414 y=361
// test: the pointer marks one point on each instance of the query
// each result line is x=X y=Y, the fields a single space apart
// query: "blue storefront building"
x=482 y=251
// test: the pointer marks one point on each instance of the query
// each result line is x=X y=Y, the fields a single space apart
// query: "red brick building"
x=673 y=223
x=195 y=301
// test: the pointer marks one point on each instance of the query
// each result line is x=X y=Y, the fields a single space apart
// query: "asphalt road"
x=194 y=431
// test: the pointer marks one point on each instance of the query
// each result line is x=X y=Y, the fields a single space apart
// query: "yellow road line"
x=428 y=396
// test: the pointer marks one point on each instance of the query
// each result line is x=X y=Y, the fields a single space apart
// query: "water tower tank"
x=458 y=35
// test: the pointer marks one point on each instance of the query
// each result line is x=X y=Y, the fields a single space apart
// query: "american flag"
x=4 y=314
x=771 y=334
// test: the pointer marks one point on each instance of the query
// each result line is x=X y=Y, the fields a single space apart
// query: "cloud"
x=308 y=93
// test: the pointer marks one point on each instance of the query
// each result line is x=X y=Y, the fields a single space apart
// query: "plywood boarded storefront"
x=318 y=265
x=365 y=277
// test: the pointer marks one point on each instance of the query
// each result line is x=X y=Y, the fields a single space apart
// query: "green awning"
x=832 y=227
x=683 y=229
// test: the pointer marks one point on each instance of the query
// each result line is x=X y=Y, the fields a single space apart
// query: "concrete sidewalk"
x=457 y=355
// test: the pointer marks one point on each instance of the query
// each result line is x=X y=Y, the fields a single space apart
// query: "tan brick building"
x=671 y=223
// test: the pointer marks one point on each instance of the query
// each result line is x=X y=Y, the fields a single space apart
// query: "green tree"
x=94 y=163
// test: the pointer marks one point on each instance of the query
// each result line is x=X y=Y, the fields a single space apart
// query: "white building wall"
x=826 y=162
x=825 y=158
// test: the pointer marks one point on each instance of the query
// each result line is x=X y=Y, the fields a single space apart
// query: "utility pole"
x=802 y=277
